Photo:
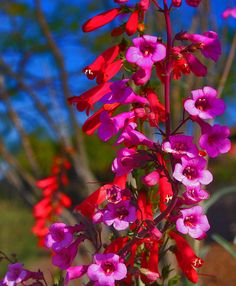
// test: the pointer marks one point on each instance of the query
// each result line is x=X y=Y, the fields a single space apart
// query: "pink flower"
x=131 y=137
x=210 y=44
x=128 y=159
x=110 y=126
x=75 y=272
x=106 y=269
x=193 y=222
x=151 y=179
x=215 y=140
x=59 y=236
x=146 y=51
x=122 y=93
x=205 y=103
x=229 y=13
x=191 y=172
x=194 y=194
x=180 y=145
x=15 y=274
x=119 y=215
x=64 y=258
x=142 y=76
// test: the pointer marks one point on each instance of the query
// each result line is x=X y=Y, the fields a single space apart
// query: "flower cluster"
x=54 y=199
x=159 y=171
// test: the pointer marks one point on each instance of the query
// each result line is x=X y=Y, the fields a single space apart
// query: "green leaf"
x=174 y=280
x=225 y=244
x=217 y=195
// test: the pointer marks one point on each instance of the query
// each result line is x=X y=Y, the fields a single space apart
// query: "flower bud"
x=193 y=3
x=176 y=3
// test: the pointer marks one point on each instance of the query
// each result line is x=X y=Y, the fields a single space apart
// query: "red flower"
x=104 y=67
x=157 y=109
x=165 y=191
x=132 y=24
x=87 y=99
x=186 y=257
x=100 y=20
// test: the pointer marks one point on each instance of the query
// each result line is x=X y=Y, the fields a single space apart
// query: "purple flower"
x=204 y=103
x=64 y=258
x=191 y=172
x=106 y=269
x=132 y=137
x=122 y=93
x=142 y=76
x=151 y=179
x=119 y=215
x=110 y=126
x=59 y=236
x=15 y=274
x=210 y=44
x=146 y=51
x=215 y=140
x=194 y=195
x=193 y=222
x=114 y=194
x=180 y=145
x=129 y=159
x=75 y=272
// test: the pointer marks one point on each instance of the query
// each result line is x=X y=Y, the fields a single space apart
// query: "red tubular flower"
x=93 y=122
x=96 y=69
x=116 y=245
x=132 y=24
x=109 y=71
x=53 y=201
x=100 y=20
x=156 y=108
x=150 y=264
x=87 y=99
x=144 y=207
x=165 y=191
x=186 y=257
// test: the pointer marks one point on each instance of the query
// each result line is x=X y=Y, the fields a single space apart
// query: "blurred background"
x=42 y=54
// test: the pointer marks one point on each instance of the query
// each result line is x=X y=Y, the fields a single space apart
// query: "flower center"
x=202 y=103
x=122 y=212
x=108 y=267
x=190 y=172
x=147 y=50
x=179 y=146
x=190 y=221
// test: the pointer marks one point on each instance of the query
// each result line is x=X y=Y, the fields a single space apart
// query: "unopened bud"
x=176 y=3
x=141 y=27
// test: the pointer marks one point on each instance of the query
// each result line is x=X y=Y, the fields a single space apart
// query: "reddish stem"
x=168 y=67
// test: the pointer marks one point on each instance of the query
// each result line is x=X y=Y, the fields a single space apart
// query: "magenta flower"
x=110 y=126
x=122 y=93
x=193 y=222
x=194 y=195
x=229 y=13
x=210 y=44
x=128 y=159
x=75 y=272
x=59 y=236
x=180 y=145
x=146 y=51
x=15 y=274
x=205 y=103
x=151 y=179
x=114 y=194
x=142 y=76
x=106 y=269
x=215 y=140
x=191 y=172
x=119 y=215
x=64 y=258
x=131 y=137
x=193 y=3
